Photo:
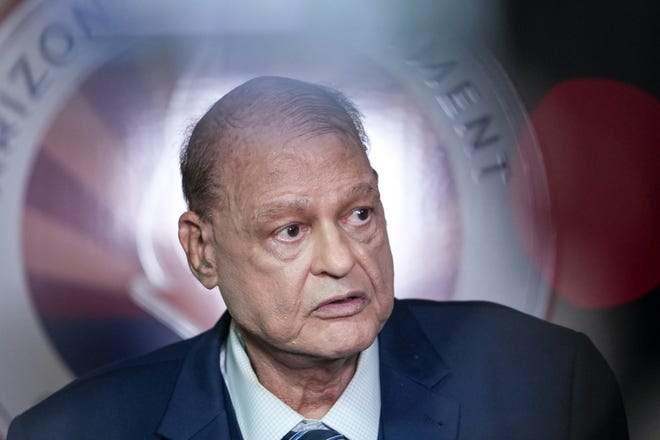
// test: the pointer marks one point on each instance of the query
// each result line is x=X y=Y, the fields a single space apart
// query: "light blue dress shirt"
x=262 y=416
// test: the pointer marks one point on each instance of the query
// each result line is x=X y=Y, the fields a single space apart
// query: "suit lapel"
x=200 y=407
x=410 y=375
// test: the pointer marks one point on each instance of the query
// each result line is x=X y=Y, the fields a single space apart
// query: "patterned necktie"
x=314 y=431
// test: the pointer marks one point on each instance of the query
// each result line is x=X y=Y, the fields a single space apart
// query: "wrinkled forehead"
x=275 y=144
x=291 y=163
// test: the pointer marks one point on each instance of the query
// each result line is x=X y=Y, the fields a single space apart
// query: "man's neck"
x=310 y=386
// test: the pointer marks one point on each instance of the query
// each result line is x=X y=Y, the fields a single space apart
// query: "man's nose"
x=333 y=254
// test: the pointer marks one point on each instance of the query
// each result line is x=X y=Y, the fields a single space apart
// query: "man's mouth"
x=342 y=306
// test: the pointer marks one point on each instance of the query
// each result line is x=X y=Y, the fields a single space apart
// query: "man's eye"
x=291 y=232
x=359 y=216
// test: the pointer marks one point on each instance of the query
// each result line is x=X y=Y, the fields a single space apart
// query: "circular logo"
x=95 y=101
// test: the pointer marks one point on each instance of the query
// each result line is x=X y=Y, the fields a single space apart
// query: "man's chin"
x=344 y=345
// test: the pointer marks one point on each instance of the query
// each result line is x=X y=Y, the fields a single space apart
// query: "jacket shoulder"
x=129 y=395
x=482 y=318
x=470 y=331
x=553 y=375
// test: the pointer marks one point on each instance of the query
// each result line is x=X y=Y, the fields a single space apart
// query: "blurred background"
x=520 y=138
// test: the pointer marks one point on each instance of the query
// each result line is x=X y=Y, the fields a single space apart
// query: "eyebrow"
x=274 y=210
x=361 y=189
x=300 y=204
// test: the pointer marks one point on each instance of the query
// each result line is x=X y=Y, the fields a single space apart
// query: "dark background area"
x=567 y=39
x=550 y=42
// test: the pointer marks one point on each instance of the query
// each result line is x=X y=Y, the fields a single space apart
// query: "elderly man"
x=285 y=218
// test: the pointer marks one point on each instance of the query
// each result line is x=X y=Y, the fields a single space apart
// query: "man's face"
x=301 y=249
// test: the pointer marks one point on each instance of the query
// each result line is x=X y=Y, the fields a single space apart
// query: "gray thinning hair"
x=266 y=104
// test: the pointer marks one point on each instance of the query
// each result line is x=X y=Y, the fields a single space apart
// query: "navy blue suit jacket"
x=448 y=371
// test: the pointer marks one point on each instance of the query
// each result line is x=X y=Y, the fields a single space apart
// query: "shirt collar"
x=261 y=415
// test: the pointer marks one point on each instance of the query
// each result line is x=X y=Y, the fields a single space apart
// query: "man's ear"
x=196 y=238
